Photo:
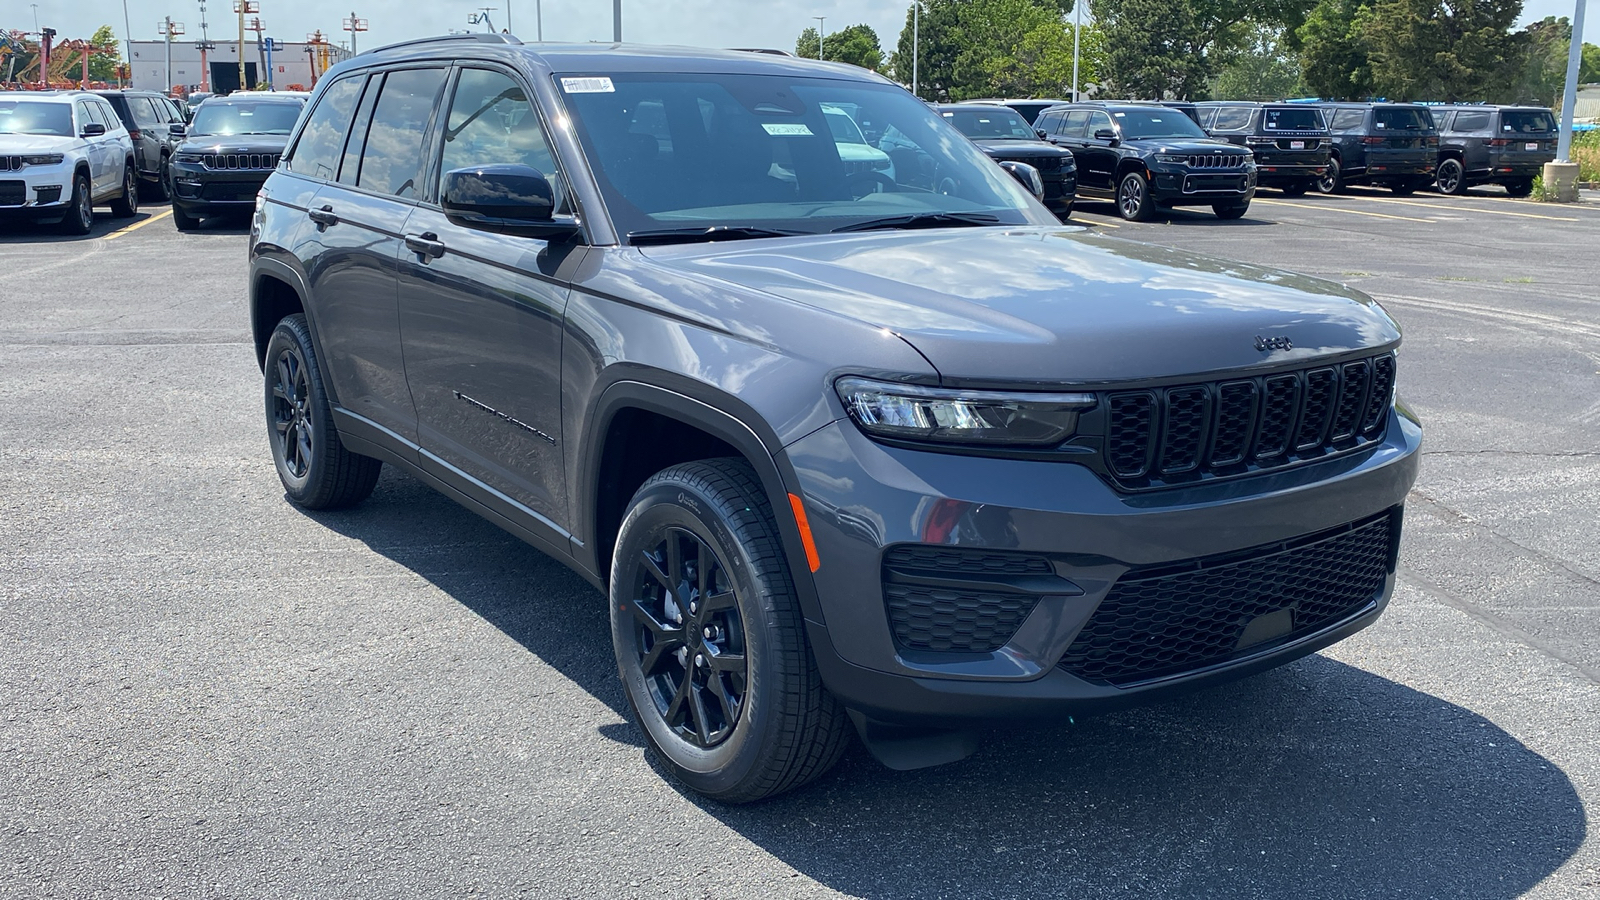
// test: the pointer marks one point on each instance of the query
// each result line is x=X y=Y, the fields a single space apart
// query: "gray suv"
x=844 y=452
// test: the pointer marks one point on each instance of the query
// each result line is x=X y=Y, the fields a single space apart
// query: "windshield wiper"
x=923 y=220
x=714 y=233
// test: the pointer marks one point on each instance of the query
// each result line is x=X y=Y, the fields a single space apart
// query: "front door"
x=1097 y=161
x=482 y=313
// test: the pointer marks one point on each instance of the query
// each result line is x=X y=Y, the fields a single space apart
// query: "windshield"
x=990 y=124
x=1143 y=124
x=772 y=152
x=1527 y=121
x=33 y=117
x=1292 y=118
x=245 y=118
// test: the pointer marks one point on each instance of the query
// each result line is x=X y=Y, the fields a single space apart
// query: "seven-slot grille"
x=10 y=163
x=236 y=161
x=1184 y=433
x=1216 y=160
x=1042 y=163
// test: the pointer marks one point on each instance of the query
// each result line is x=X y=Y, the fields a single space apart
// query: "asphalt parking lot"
x=208 y=693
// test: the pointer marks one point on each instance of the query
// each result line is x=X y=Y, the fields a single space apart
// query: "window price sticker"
x=595 y=85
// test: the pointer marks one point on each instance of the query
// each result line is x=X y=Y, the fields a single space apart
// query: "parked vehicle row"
x=62 y=153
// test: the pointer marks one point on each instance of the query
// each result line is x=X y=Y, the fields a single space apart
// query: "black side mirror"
x=177 y=129
x=505 y=197
x=93 y=129
x=1041 y=133
x=1106 y=134
x=1027 y=176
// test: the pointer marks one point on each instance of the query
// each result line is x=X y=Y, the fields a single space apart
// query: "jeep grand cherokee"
x=839 y=449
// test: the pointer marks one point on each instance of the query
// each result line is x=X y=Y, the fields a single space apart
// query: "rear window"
x=1232 y=118
x=1405 y=118
x=1527 y=121
x=1291 y=119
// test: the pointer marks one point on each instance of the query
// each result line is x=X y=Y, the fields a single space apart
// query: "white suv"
x=61 y=153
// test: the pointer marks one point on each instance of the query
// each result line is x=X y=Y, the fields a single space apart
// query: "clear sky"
x=708 y=23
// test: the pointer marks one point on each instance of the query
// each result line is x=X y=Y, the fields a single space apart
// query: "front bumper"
x=196 y=189
x=1203 y=187
x=37 y=191
x=864 y=498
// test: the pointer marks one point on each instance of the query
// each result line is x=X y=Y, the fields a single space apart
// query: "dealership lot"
x=212 y=694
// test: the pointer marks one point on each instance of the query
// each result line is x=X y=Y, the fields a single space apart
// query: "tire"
x=1133 y=198
x=80 y=216
x=1450 y=179
x=1331 y=181
x=159 y=192
x=719 y=675
x=1065 y=214
x=316 y=470
x=1520 y=188
x=1403 y=188
x=1298 y=189
x=127 y=205
x=1230 y=210
x=183 y=220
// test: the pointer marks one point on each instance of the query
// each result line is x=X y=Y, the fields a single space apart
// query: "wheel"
x=1133 y=198
x=80 y=218
x=183 y=220
x=709 y=638
x=316 y=470
x=1065 y=213
x=1403 y=188
x=1230 y=210
x=1331 y=181
x=127 y=205
x=1449 y=179
x=1520 y=188
x=1297 y=189
x=159 y=192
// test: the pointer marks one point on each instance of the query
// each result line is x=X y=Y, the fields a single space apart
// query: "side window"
x=144 y=113
x=87 y=113
x=1048 y=122
x=350 y=166
x=112 y=120
x=1471 y=121
x=391 y=162
x=321 y=142
x=1233 y=118
x=1075 y=122
x=492 y=122
x=1098 y=121
x=1347 y=119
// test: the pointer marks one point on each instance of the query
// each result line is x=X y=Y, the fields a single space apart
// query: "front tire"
x=127 y=205
x=1133 y=198
x=80 y=217
x=1331 y=181
x=183 y=220
x=709 y=638
x=1450 y=179
x=1230 y=210
x=1520 y=188
x=316 y=470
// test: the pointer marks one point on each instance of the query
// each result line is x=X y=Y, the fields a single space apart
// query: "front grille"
x=1176 y=435
x=1042 y=163
x=236 y=161
x=947 y=620
x=13 y=193
x=1170 y=619
x=240 y=191
x=10 y=163
x=939 y=558
x=1216 y=160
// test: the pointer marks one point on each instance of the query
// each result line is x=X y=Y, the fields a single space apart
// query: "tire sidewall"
x=81 y=217
x=676 y=503
x=1331 y=179
x=1143 y=210
x=292 y=333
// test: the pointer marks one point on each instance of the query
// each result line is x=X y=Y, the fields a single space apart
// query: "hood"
x=36 y=143
x=1185 y=145
x=1014 y=149
x=234 y=143
x=1038 y=305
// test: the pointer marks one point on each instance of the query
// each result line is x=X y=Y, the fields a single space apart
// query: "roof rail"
x=476 y=37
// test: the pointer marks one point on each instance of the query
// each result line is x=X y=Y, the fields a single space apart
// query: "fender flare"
x=266 y=265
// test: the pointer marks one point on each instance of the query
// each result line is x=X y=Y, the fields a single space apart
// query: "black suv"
x=1029 y=109
x=1290 y=140
x=838 y=449
x=149 y=118
x=1006 y=136
x=1394 y=145
x=227 y=153
x=1504 y=145
x=1147 y=156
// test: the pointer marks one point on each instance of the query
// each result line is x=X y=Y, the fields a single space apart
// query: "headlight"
x=909 y=412
x=1172 y=159
x=191 y=158
x=43 y=159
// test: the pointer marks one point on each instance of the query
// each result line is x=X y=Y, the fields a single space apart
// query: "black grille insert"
x=973 y=563
x=1178 y=435
x=942 y=619
x=1172 y=619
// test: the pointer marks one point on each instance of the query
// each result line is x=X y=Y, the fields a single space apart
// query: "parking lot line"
x=1453 y=208
x=138 y=225
x=1354 y=212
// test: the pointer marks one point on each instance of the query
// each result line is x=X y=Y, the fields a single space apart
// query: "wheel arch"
x=276 y=291
x=1130 y=164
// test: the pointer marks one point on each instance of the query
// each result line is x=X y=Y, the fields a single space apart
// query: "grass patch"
x=1458 y=278
x=1586 y=153
x=1523 y=280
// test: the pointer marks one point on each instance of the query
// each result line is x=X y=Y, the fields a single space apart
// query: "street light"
x=821 y=26
x=1077 y=33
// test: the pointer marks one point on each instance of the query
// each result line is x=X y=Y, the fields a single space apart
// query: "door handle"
x=426 y=244
x=323 y=216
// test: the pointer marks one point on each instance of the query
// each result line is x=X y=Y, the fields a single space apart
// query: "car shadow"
x=26 y=231
x=1199 y=215
x=1314 y=779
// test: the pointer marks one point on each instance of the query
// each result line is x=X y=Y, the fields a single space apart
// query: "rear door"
x=1348 y=125
x=101 y=147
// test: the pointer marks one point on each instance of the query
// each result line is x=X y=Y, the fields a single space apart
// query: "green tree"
x=857 y=45
x=993 y=48
x=1441 y=49
x=1589 y=71
x=1333 y=50
x=1266 y=69
x=1538 y=67
x=1154 y=49
x=103 y=66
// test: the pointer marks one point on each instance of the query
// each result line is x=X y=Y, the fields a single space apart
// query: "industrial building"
x=292 y=63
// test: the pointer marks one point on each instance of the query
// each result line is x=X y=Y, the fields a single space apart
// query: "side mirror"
x=177 y=129
x=1106 y=134
x=505 y=197
x=1027 y=176
x=93 y=129
x=1041 y=133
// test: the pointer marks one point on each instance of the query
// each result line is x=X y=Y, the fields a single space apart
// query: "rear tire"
x=1331 y=181
x=709 y=638
x=1450 y=179
x=1403 y=188
x=158 y=192
x=183 y=220
x=1230 y=210
x=316 y=470
x=127 y=205
x=1520 y=188
x=1295 y=190
x=80 y=215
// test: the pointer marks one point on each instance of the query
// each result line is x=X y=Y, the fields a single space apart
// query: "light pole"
x=616 y=21
x=1077 y=33
x=169 y=30
x=822 y=22
x=243 y=7
x=538 y=18
x=354 y=24
x=127 y=38
x=916 y=35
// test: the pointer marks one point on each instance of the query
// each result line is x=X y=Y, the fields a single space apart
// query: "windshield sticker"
x=1119 y=115
x=953 y=115
x=596 y=85
x=787 y=129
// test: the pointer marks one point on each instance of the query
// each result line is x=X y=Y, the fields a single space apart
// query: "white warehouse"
x=291 y=64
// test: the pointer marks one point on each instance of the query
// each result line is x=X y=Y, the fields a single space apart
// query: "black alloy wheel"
x=291 y=411
x=1331 y=181
x=689 y=639
x=80 y=216
x=1133 y=198
x=127 y=205
x=1449 y=178
x=316 y=470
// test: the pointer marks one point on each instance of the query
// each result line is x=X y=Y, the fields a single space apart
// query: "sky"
x=705 y=23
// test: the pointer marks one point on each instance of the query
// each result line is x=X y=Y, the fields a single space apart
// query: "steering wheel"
x=861 y=184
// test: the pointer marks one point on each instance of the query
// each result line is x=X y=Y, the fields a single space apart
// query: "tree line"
x=1448 y=50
